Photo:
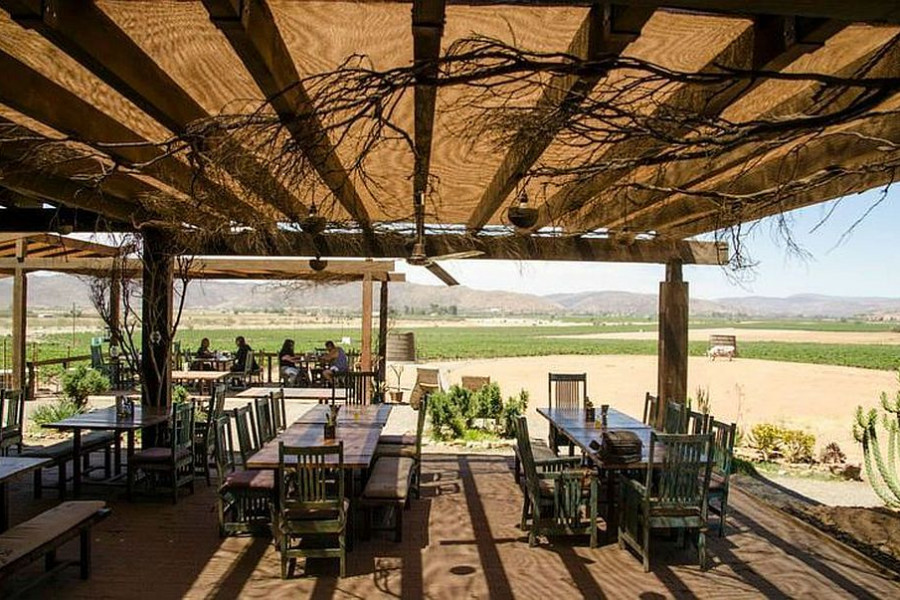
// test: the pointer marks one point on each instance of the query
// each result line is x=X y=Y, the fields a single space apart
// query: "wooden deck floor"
x=460 y=541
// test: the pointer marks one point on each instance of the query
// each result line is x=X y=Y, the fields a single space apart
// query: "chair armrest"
x=555 y=464
x=631 y=485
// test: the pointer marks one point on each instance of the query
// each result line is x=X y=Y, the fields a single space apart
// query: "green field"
x=443 y=343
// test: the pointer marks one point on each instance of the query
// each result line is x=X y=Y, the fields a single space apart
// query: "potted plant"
x=396 y=393
x=331 y=422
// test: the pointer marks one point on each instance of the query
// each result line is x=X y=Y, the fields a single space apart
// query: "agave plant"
x=881 y=470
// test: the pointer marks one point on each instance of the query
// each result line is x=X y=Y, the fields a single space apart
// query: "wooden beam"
x=62 y=219
x=83 y=31
x=606 y=30
x=660 y=209
x=156 y=325
x=383 y=316
x=250 y=28
x=778 y=41
x=673 y=340
x=505 y=247
x=762 y=44
x=44 y=100
x=427 y=30
x=19 y=316
x=66 y=244
x=365 y=357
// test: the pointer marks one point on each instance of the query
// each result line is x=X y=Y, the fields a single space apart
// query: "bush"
x=488 y=403
x=454 y=412
x=80 y=383
x=50 y=413
x=514 y=407
x=772 y=441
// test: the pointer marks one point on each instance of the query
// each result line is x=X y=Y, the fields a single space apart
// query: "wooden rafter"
x=511 y=247
x=604 y=31
x=777 y=41
x=762 y=44
x=251 y=29
x=427 y=29
x=61 y=218
x=83 y=31
x=652 y=209
x=38 y=97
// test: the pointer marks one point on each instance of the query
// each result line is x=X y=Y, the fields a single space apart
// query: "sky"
x=842 y=260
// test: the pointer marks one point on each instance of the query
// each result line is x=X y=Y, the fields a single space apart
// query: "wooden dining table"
x=12 y=467
x=575 y=426
x=106 y=419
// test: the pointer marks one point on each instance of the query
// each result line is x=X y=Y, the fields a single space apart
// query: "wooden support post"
x=382 y=331
x=673 y=339
x=19 y=320
x=365 y=358
x=156 y=326
x=115 y=308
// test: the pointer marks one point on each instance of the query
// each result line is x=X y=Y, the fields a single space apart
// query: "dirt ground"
x=761 y=335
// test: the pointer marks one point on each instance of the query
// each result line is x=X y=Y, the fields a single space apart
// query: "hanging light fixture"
x=314 y=223
x=317 y=264
x=522 y=215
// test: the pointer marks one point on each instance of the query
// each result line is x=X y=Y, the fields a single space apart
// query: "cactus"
x=882 y=474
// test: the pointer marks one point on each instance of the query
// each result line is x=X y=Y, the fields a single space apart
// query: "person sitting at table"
x=335 y=360
x=288 y=363
x=202 y=357
x=240 y=356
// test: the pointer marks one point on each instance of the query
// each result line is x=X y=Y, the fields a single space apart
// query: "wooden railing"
x=32 y=365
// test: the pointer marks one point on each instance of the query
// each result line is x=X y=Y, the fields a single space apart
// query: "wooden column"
x=673 y=339
x=156 y=323
x=365 y=358
x=382 y=331
x=115 y=308
x=19 y=320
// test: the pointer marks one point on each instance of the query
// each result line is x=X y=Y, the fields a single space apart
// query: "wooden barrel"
x=401 y=347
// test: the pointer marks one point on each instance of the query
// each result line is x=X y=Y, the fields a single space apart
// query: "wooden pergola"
x=23 y=254
x=111 y=80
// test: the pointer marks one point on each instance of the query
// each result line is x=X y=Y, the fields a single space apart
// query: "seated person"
x=335 y=360
x=240 y=356
x=203 y=356
x=288 y=363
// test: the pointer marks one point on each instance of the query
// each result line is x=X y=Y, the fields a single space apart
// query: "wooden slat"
x=510 y=247
x=251 y=30
x=87 y=34
x=427 y=29
x=604 y=31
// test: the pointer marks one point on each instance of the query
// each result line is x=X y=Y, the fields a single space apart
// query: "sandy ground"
x=758 y=335
x=817 y=398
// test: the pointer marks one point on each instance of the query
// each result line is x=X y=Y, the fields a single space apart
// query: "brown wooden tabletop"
x=10 y=468
x=573 y=425
x=105 y=418
x=367 y=415
x=296 y=393
x=199 y=375
x=359 y=444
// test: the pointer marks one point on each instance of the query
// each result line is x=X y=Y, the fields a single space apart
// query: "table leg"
x=130 y=453
x=76 y=462
x=351 y=518
x=4 y=506
x=612 y=515
x=117 y=448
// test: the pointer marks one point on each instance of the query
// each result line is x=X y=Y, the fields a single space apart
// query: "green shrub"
x=50 y=413
x=180 y=394
x=454 y=413
x=81 y=382
x=771 y=441
x=446 y=414
x=514 y=407
x=488 y=403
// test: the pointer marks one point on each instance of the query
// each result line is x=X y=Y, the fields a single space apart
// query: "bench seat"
x=62 y=452
x=43 y=534
x=388 y=486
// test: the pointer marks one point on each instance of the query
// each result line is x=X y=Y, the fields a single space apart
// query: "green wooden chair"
x=244 y=497
x=723 y=436
x=12 y=415
x=651 y=405
x=697 y=422
x=673 y=496
x=276 y=399
x=265 y=420
x=561 y=498
x=204 y=430
x=169 y=468
x=245 y=426
x=676 y=417
x=311 y=518
x=566 y=391
x=359 y=386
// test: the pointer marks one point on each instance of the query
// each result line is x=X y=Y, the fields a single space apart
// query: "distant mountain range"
x=59 y=292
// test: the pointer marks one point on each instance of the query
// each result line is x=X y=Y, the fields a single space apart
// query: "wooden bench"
x=388 y=487
x=42 y=535
x=62 y=452
x=721 y=345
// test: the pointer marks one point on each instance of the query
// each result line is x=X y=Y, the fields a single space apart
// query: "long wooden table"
x=12 y=467
x=106 y=419
x=573 y=424
x=367 y=415
x=319 y=394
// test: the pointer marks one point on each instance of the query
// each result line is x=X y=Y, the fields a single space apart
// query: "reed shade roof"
x=199 y=73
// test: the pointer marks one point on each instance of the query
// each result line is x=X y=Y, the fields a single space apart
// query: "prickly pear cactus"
x=881 y=468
